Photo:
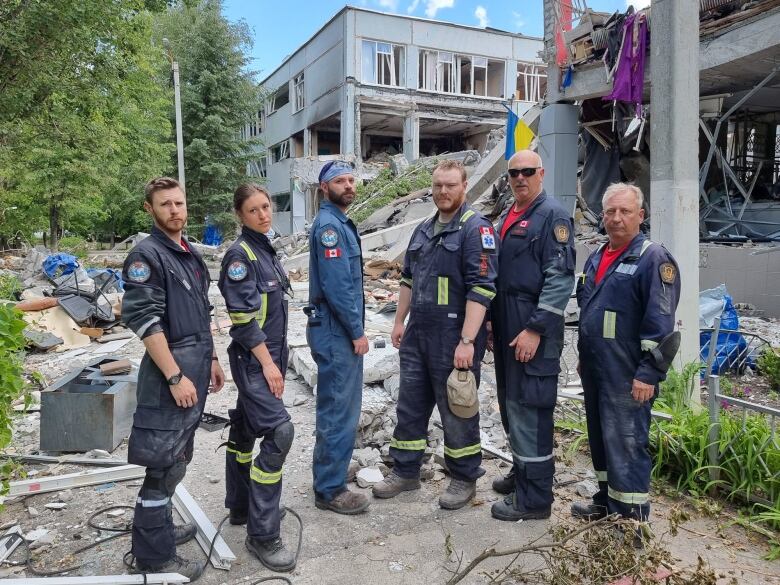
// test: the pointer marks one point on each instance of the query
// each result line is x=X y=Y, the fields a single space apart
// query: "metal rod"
x=9 y=541
x=713 y=433
x=221 y=556
x=179 y=133
x=150 y=578
x=71 y=480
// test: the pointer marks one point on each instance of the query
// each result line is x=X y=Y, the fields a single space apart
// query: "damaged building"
x=369 y=85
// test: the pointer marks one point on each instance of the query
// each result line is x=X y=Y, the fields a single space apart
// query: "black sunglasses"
x=527 y=172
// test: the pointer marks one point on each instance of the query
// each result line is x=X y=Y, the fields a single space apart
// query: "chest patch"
x=561 y=231
x=139 y=271
x=624 y=268
x=237 y=270
x=668 y=272
x=488 y=238
x=329 y=238
x=519 y=230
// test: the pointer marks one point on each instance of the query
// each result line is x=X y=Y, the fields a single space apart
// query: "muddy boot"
x=505 y=484
x=458 y=494
x=190 y=569
x=394 y=484
x=588 y=511
x=184 y=533
x=346 y=502
x=272 y=553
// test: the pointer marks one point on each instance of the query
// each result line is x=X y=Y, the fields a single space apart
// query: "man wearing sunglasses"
x=535 y=281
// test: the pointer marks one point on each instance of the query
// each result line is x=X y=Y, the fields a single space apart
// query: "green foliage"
x=769 y=366
x=219 y=94
x=676 y=391
x=385 y=188
x=75 y=245
x=10 y=286
x=11 y=381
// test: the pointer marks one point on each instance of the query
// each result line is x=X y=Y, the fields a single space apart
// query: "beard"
x=449 y=205
x=170 y=226
x=343 y=198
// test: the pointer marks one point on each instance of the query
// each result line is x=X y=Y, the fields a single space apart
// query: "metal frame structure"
x=55 y=483
x=190 y=511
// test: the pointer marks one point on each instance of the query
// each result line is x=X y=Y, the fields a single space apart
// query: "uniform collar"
x=453 y=225
x=528 y=210
x=632 y=250
x=163 y=237
x=335 y=210
x=257 y=238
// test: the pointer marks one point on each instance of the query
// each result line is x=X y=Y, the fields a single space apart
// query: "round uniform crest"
x=329 y=238
x=237 y=270
x=668 y=272
x=138 y=271
x=562 y=233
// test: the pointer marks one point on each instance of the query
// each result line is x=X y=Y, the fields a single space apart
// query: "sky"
x=280 y=27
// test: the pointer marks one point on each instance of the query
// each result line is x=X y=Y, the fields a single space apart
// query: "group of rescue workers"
x=466 y=287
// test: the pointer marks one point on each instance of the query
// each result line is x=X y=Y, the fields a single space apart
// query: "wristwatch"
x=175 y=379
x=466 y=340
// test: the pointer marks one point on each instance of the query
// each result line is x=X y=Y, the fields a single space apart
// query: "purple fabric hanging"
x=629 y=81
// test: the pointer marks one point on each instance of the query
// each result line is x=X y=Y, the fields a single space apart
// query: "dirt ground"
x=405 y=540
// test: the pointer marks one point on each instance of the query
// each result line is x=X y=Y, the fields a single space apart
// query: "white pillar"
x=412 y=136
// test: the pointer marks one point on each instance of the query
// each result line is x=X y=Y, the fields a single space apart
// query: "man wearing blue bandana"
x=336 y=338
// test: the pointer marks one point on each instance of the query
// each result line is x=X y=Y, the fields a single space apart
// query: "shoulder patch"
x=237 y=270
x=488 y=238
x=668 y=272
x=139 y=271
x=561 y=231
x=329 y=238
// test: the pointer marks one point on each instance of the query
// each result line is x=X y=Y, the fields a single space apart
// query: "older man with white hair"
x=627 y=295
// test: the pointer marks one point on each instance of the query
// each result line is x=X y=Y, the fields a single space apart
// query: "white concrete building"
x=370 y=82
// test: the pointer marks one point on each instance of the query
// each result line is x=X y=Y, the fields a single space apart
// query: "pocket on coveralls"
x=154 y=436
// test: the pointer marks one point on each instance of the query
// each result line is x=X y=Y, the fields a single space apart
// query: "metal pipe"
x=179 y=133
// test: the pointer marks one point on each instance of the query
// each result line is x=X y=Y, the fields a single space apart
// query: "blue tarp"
x=729 y=347
x=102 y=275
x=58 y=265
x=212 y=236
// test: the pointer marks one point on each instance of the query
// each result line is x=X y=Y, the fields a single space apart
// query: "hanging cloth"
x=629 y=79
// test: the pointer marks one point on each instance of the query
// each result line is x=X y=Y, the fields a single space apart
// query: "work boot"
x=239 y=518
x=190 y=569
x=184 y=533
x=272 y=553
x=507 y=510
x=394 y=484
x=588 y=511
x=505 y=484
x=346 y=502
x=458 y=494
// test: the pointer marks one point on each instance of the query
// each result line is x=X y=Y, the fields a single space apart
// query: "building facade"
x=369 y=82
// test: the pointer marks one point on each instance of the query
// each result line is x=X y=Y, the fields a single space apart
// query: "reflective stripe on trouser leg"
x=238 y=456
x=265 y=492
x=339 y=395
x=153 y=540
x=415 y=404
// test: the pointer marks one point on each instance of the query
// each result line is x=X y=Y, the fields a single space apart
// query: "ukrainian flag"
x=518 y=135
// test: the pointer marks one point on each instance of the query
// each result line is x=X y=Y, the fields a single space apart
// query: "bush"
x=769 y=366
x=385 y=188
x=12 y=384
x=74 y=245
x=10 y=287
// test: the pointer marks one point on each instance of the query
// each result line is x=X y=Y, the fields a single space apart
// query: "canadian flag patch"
x=524 y=223
x=486 y=230
x=333 y=253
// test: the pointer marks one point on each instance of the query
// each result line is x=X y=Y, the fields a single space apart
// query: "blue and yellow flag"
x=518 y=135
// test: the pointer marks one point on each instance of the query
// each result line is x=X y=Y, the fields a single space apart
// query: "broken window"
x=280 y=151
x=465 y=74
x=298 y=92
x=255 y=126
x=281 y=201
x=257 y=168
x=531 y=82
x=280 y=98
x=382 y=63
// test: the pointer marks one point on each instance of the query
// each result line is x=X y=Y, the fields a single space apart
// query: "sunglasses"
x=527 y=172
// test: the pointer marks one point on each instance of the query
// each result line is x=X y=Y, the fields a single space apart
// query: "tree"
x=219 y=95
x=100 y=129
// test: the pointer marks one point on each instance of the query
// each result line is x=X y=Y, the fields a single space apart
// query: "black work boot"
x=184 y=533
x=588 y=511
x=272 y=553
x=190 y=569
x=507 y=510
x=239 y=517
x=505 y=484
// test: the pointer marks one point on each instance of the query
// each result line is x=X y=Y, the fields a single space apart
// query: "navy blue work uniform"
x=622 y=318
x=336 y=294
x=253 y=283
x=166 y=290
x=535 y=282
x=443 y=271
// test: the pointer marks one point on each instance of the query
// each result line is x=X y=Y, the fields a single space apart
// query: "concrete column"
x=674 y=161
x=558 y=128
x=553 y=73
x=307 y=142
x=412 y=136
x=350 y=121
x=510 y=79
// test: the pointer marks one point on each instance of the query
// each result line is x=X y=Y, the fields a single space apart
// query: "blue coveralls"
x=253 y=284
x=535 y=281
x=443 y=271
x=336 y=293
x=627 y=314
x=166 y=290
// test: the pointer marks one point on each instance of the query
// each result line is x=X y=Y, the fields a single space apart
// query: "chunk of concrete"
x=392 y=386
x=379 y=364
x=586 y=488
x=369 y=476
x=304 y=365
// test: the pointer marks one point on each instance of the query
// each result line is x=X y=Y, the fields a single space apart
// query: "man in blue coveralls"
x=627 y=294
x=535 y=281
x=336 y=338
x=446 y=288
